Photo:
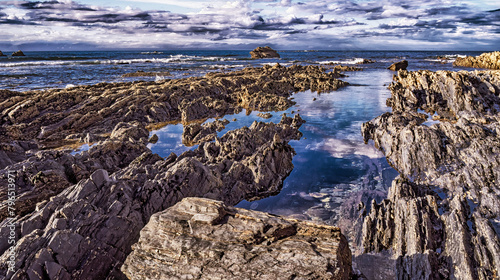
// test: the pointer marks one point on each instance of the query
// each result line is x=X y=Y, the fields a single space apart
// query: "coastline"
x=118 y=175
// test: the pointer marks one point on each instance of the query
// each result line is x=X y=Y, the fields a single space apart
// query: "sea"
x=334 y=169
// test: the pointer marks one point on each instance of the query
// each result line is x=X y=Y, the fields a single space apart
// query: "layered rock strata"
x=58 y=116
x=485 y=60
x=87 y=230
x=442 y=217
x=200 y=238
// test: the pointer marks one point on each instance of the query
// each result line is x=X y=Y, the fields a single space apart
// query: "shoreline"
x=120 y=155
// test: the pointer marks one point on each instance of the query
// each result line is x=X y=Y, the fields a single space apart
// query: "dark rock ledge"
x=441 y=219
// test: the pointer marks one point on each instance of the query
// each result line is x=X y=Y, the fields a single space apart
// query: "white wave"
x=355 y=60
x=70 y=86
x=171 y=59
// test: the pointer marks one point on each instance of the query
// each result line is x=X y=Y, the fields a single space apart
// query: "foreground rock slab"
x=204 y=239
x=485 y=60
x=264 y=52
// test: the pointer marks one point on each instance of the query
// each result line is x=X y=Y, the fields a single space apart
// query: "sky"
x=246 y=24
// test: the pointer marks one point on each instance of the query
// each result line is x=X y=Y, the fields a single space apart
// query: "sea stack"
x=401 y=65
x=18 y=53
x=485 y=60
x=264 y=52
x=1 y=54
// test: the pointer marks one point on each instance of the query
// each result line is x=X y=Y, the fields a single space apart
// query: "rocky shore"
x=485 y=60
x=79 y=214
x=441 y=219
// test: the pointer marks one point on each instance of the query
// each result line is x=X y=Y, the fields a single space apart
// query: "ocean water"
x=334 y=169
x=40 y=70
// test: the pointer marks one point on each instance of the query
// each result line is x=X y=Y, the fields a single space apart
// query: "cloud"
x=284 y=23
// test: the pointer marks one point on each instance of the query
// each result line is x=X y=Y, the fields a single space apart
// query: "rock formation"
x=485 y=60
x=79 y=214
x=441 y=217
x=196 y=133
x=1 y=54
x=64 y=116
x=264 y=52
x=18 y=53
x=366 y=61
x=400 y=65
x=200 y=238
x=86 y=231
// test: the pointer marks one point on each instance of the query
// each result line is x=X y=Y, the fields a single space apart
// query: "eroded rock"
x=485 y=60
x=203 y=239
x=86 y=231
x=449 y=176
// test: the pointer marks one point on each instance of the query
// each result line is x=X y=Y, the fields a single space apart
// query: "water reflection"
x=334 y=170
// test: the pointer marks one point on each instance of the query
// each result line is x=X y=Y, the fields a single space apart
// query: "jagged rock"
x=366 y=61
x=204 y=239
x=264 y=52
x=449 y=176
x=153 y=139
x=47 y=173
x=347 y=68
x=401 y=65
x=485 y=60
x=18 y=53
x=89 y=227
x=196 y=133
x=342 y=68
x=265 y=115
x=50 y=116
x=1 y=54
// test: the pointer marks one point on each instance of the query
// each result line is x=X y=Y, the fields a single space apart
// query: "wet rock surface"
x=485 y=60
x=441 y=219
x=264 y=52
x=205 y=239
x=86 y=231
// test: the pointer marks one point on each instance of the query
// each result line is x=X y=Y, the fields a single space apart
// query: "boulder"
x=18 y=53
x=199 y=238
x=485 y=60
x=401 y=65
x=264 y=52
